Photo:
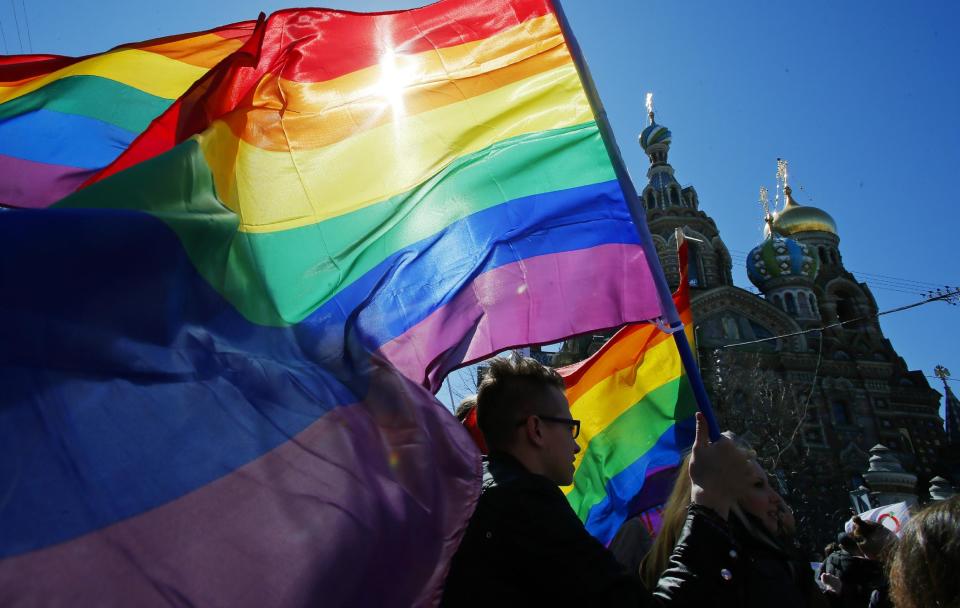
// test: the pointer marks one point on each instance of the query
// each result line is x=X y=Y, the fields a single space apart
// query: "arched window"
x=778 y=301
x=804 y=305
x=674 y=197
x=833 y=256
x=841 y=413
x=847 y=310
x=813 y=305
x=695 y=276
x=823 y=254
x=648 y=199
x=791 y=304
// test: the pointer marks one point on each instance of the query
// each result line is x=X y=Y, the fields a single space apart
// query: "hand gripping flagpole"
x=637 y=212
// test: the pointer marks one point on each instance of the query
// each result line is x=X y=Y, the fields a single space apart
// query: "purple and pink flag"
x=216 y=354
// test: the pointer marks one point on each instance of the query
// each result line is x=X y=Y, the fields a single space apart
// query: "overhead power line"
x=951 y=297
x=26 y=23
x=3 y=35
x=16 y=22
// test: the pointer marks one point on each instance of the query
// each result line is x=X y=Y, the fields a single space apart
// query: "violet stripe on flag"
x=473 y=325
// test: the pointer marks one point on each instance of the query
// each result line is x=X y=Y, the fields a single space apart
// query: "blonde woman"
x=774 y=575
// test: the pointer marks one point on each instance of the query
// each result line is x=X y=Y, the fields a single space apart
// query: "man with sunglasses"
x=524 y=544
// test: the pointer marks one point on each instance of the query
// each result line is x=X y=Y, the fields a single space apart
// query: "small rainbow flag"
x=62 y=119
x=637 y=418
x=213 y=356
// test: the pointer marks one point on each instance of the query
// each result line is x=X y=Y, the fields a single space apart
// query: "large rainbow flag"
x=62 y=119
x=637 y=419
x=213 y=356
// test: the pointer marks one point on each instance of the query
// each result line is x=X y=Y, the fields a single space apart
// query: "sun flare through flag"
x=217 y=360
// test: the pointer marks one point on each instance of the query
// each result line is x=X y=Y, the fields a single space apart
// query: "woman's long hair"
x=674 y=514
x=923 y=570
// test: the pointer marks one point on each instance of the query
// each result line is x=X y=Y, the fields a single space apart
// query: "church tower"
x=669 y=206
x=837 y=294
x=784 y=271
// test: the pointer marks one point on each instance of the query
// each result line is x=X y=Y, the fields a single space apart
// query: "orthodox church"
x=857 y=391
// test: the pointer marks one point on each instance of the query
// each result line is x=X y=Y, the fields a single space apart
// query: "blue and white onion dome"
x=654 y=134
x=778 y=257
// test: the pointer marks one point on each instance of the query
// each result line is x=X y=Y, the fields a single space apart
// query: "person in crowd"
x=925 y=563
x=828 y=551
x=874 y=542
x=631 y=542
x=466 y=413
x=524 y=544
x=467 y=405
x=857 y=575
x=774 y=574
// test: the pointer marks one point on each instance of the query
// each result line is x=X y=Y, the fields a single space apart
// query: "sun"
x=396 y=74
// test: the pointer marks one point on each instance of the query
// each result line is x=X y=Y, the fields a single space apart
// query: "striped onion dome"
x=654 y=134
x=778 y=257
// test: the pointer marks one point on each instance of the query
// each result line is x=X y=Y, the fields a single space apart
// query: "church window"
x=813 y=305
x=759 y=331
x=674 y=197
x=778 y=301
x=694 y=266
x=823 y=255
x=847 y=310
x=791 y=304
x=730 y=328
x=804 y=305
x=833 y=256
x=841 y=413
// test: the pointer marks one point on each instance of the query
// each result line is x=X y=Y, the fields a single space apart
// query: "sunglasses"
x=572 y=423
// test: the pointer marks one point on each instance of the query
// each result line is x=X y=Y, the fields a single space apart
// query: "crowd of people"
x=727 y=536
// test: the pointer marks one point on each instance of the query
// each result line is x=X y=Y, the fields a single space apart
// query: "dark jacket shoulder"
x=524 y=544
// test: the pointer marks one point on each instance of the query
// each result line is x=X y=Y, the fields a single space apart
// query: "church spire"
x=765 y=205
x=781 y=183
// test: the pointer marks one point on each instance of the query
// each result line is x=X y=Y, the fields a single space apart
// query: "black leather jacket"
x=525 y=546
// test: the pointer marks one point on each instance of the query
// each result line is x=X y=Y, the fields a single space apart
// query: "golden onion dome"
x=796 y=218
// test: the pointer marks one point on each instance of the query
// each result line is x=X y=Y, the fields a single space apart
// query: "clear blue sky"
x=860 y=97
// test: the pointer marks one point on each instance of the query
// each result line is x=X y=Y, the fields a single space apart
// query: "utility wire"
x=6 y=49
x=17 y=22
x=26 y=23
x=948 y=297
